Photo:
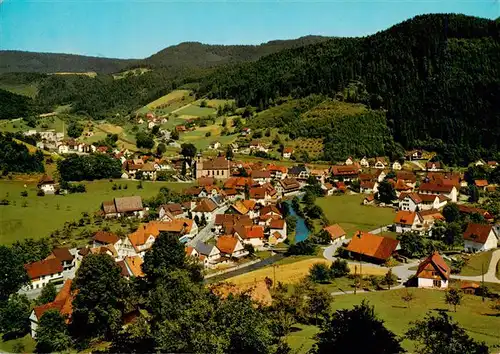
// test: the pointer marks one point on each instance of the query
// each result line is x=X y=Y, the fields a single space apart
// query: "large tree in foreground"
x=356 y=331
x=12 y=273
x=98 y=305
x=52 y=333
x=438 y=334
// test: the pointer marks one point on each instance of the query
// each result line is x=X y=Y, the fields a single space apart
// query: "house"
x=270 y=211
x=433 y=272
x=209 y=255
x=396 y=166
x=319 y=175
x=218 y=168
x=288 y=186
x=369 y=199
x=231 y=247
x=246 y=131
x=465 y=209
x=364 y=162
x=408 y=177
x=215 y=145
x=368 y=187
x=410 y=202
x=43 y=272
x=205 y=208
x=104 y=238
x=225 y=222
x=373 y=248
x=256 y=145
x=47 y=184
x=481 y=184
x=287 y=152
x=117 y=247
x=479 y=237
x=62 y=303
x=448 y=190
x=239 y=183
x=148 y=171
x=259 y=194
x=336 y=232
x=469 y=287
x=401 y=187
x=277 y=172
x=124 y=206
x=234 y=147
x=133 y=265
x=433 y=201
x=252 y=235
x=63 y=255
x=380 y=163
x=344 y=172
x=429 y=217
x=407 y=221
x=299 y=172
x=493 y=164
x=328 y=189
x=433 y=166
x=261 y=177
x=169 y=212
x=349 y=161
x=277 y=229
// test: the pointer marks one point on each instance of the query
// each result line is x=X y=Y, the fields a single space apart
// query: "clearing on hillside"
x=164 y=101
x=129 y=73
x=88 y=73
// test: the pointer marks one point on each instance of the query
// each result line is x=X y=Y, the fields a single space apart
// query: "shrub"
x=319 y=273
x=40 y=193
x=339 y=268
x=24 y=193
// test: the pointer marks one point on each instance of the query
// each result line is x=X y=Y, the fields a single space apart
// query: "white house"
x=448 y=190
x=368 y=187
x=380 y=163
x=252 y=235
x=433 y=272
x=337 y=233
x=349 y=161
x=479 y=237
x=43 y=272
x=47 y=184
x=205 y=208
x=407 y=221
x=396 y=166
x=364 y=162
x=215 y=145
x=209 y=255
x=231 y=247
x=410 y=202
x=287 y=153
x=278 y=226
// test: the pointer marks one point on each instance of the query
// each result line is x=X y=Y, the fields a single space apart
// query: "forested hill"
x=195 y=54
x=437 y=75
x=19 y=61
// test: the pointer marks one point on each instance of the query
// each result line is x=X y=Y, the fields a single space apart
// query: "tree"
x=13 y=273
x=249 y=248
x=322 y=237
x=305 y=247
x=74 y=129
x=318 y=302
x=188 y=151
x=390 y=279
x=473 y=194
x=98 y=305
x=174 y=134
x=453 y=297
x=49 y=293
x=229 y=153
x=144 y=140
x=408 y=297
x=166 y=256
x=224 y=122
x=453 y=234
x=161 y=148
x=413 y=244
x=339 y=268
x=451 y=212
x=319 y=273
x=52 y=333
x=203 y=103
x=386 y=192
x=309 y=198
x=14 y=315
x=356 y=331
x=437 y=334
x=155 y=130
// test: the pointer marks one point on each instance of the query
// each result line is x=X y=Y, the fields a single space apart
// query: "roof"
x=367 y=185
x=431 y=214
x=335 y=231
x=204 y=248
x=469 y=285
x=276 y=168
x=402 y=186
x=134 y=264
x=219 y=163
x=277 y=224
x=269 y=209
x=296 y=170
x=247 y=232
x=257 y=193
x=128 y=204
x=405 y=217
x=436 y=187
x=153 y=228
x=221 y=219
x=477 y=232
x=238 y=182
x=240 y=207
x=374 y=246
x=406 y=176
x=62 y=254
x=261 y=174
x=472 y=210
x=148 y=167
x=205 y=206
x=106 y=237
x=227 y=243
x=46 y=179
x=205 y=181
x=413 y=196
x=344 y=170
x=109 y=207
x=481 y=182
x=289 y=183
x=437 y=262
x=123 y=267
x=436 y=164
x=174 y=208
x=44 y=267
x=62 y=302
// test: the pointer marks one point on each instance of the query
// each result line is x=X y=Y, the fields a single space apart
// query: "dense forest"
x=13 y=106
x=437 y=76
x=15 y=157
x=19 y=61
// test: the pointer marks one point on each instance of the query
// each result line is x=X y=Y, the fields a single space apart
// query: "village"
x=238 y=209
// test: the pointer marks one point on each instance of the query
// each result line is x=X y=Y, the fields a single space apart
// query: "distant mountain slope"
x=195 y=54
x=438 y=76
x=18 y=61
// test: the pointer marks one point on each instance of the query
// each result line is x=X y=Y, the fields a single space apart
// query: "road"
x=206 y=233
x=489 y=276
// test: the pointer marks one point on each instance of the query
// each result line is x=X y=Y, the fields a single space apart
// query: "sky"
x=140 y=28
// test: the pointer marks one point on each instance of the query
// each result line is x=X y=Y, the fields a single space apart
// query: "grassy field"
x=42 y=215
x=91 y=74
x=29 y=90
x=196 y=111
x=171 y=97
x=291 y=270
x=477 y=264
x=128 y=73
x=348 y=211
x=26 y=344
x=474 y=315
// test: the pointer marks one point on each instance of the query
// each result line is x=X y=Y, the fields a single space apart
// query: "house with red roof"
x=410 y=202
x=368 y=187
x=253 y=235
x=231 y=247
x=449 y=190
x=47 y=184
x=433 y=272
x=277 y=229
x=63 y=303
x=373 y=248
x=480 y=237
x=336 y=232
x=433 y=166
x=406 y=221
x=481 y=183
x=43 y=272
x=287 y=152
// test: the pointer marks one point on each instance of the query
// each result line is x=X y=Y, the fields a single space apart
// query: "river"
x=301 y=231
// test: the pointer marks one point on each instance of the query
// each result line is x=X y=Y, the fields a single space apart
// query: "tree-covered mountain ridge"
x=183 y=55
x=436 y=75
